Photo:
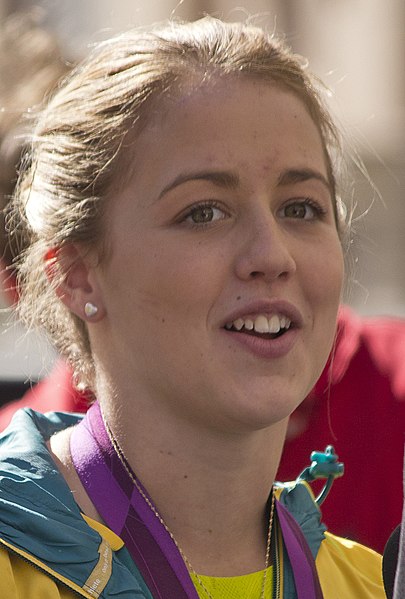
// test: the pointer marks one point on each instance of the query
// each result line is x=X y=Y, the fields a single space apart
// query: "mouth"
x=261 y=326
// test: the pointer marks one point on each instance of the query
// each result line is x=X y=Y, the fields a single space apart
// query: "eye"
x=305 y=209
x=203 y=214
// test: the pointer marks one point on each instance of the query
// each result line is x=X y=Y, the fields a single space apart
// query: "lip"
x=264 y=347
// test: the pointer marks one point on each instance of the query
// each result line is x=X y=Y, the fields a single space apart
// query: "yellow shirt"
x=234 y=587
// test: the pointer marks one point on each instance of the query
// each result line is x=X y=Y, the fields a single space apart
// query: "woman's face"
x=224 y=232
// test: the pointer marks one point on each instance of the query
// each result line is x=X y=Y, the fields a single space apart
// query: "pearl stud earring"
x=90 y=309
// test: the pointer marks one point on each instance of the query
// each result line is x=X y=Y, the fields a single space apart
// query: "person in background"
x=394 y=559
x=399 y=582
x=185 y=252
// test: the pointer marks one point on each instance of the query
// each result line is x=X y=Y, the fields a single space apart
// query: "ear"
x=72 y=272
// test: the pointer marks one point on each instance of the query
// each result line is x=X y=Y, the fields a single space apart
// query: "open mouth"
x=261 y=326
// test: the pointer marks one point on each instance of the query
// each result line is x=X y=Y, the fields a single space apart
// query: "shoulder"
x=25 y=458
x=345 y=568
x=348 y=569
x=35 y=427
x=298 y=499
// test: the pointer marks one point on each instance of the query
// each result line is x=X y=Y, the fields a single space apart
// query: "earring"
x=90 y=309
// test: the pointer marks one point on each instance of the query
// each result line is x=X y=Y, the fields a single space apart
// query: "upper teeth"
x=261 y=324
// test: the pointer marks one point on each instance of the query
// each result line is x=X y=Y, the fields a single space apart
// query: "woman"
x=186 y=256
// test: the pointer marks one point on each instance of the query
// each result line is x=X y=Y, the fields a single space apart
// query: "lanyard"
x=125 y=511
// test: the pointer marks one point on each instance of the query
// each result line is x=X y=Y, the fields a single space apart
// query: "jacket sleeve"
x=348 y=569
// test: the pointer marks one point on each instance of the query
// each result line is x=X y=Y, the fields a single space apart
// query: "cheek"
x=324 y=295
x=328 y=273
x=157 y=281
x=322 y=280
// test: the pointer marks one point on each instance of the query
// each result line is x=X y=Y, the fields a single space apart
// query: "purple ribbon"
x=302 y=563
x=127 y=513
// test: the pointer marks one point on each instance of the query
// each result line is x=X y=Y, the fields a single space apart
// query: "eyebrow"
x=228 y=179
x=299 y=175
x=222 y=179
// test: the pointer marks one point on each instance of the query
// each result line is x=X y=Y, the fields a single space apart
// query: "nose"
x=265 y=252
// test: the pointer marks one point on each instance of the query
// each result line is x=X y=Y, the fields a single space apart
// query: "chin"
x=263 y=411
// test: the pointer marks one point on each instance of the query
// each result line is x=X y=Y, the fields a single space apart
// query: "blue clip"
x=323 y=465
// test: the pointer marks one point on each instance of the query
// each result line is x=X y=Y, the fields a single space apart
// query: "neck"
x=212 y=496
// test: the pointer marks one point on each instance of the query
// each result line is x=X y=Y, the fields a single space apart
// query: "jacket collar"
x=39 y=516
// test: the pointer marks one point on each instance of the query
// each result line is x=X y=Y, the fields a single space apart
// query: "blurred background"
x=356 y=46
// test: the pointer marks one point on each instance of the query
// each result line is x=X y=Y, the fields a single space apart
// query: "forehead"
x=224 y=120
x=211 y=91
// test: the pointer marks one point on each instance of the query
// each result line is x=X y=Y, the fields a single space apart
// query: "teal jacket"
x=41 y=523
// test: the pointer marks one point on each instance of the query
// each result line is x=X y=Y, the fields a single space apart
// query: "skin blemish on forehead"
x=267 y=167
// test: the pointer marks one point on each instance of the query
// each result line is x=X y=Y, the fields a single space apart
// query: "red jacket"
x=358 y=405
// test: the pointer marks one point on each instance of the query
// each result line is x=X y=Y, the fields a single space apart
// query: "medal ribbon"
x=126 y=512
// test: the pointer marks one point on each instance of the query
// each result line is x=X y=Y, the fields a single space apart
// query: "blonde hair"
x=78 y=143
